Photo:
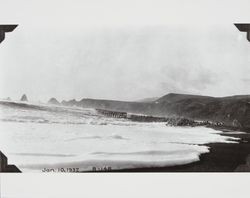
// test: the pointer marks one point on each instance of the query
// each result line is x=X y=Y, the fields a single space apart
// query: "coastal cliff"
x=233 y=111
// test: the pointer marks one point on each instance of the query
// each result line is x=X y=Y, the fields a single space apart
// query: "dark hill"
x=232 y=111
x=173 y=97
x=53 y=101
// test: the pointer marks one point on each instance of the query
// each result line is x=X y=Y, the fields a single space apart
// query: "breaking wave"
x=38 y=136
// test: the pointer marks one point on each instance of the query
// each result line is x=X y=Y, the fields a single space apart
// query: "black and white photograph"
x=96 y=97
x=124 y=87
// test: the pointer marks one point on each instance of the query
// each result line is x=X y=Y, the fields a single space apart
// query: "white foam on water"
x=83 y=139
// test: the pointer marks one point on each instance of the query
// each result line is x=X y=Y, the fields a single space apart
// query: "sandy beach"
x=84 y=140
x=223 y=157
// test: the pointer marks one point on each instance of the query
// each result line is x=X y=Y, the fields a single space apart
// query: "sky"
x=124 y=50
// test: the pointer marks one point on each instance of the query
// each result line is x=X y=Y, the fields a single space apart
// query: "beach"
x=223 y=157
x=47 y=138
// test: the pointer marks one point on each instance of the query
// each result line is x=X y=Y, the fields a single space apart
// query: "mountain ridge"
x=231 y=110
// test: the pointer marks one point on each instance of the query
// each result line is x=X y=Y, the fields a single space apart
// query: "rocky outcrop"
x=145 y=118
x=191 y=123
x=53 y=101
x=72 y=102
x=233 y=111
x=170 y=121
x=24 y=98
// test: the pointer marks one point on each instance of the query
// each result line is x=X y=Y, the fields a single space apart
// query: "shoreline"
x=223 y=157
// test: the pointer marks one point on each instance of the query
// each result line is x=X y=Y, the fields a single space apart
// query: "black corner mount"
x=4 y=29
x=244 y=27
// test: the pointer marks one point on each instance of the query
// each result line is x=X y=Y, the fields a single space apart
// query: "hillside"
x=232 y=111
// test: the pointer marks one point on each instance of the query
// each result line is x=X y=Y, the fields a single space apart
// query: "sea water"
x=47 y=138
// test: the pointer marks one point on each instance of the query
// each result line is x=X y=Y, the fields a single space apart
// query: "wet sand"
x=223 y=157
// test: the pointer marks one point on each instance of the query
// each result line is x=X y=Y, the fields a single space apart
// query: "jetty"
x=113 y=114
x=132 y=117
x=146 y=118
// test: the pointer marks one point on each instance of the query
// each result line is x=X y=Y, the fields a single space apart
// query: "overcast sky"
x=124 y=50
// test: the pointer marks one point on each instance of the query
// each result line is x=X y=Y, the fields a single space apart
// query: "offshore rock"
x=53 y=101
x=24 y=98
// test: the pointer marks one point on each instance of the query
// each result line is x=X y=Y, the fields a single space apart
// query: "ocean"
x=45 y=138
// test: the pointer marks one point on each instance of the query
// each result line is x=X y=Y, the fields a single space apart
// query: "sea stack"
x=53 y=101
x=69 y=103
x=24 y=98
